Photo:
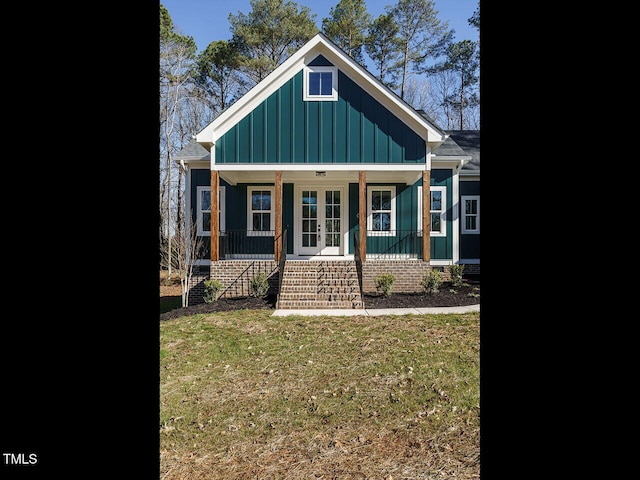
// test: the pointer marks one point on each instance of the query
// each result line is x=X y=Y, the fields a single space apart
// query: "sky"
x=208 y=20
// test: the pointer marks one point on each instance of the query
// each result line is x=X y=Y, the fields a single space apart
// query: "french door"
x=320 y=212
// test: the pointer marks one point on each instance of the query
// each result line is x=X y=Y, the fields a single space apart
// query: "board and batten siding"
x=354 y=129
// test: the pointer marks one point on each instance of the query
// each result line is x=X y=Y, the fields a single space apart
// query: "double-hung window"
x=437 y=212
x=320 y=83
x=260 y=211
x=381 y=210
x=471 y=214
x=203 y=208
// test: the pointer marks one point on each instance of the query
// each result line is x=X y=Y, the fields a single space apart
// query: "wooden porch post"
x=426 y=216
x=215 y=215
x=362 y=212
x=277 y=237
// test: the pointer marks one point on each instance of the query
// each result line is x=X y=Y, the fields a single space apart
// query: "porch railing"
x=238 y=244
x=389 y=244
x=394 y=244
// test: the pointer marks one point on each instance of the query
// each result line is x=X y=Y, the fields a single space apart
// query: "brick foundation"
x=408 y=273
x=235 y=275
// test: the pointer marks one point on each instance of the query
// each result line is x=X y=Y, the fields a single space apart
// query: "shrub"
x=259 y=285
x=384 y=282
x=431 y=281
x=212 y=290
x=456 y=275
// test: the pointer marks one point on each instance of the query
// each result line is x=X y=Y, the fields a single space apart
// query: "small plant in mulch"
x=431 y=281
x=259 y=285
x=384 y=283
x=456 y=275
x=212 y=290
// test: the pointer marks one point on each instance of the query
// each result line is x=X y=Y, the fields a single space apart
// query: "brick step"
x=341 y=278
x=337 y=283
x=337 y=298
x=337 y=290
x=292 y=282
x=311 y=305
x=320 y=284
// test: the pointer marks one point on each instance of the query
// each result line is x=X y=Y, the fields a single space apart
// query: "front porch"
x=326 y=213
x=370 y=222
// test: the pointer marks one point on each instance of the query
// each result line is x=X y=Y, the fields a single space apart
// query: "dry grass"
x=249 y=396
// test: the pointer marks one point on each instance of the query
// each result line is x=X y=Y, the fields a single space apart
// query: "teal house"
x=323 y=178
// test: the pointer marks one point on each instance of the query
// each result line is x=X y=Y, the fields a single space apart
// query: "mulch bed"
x=447 y=296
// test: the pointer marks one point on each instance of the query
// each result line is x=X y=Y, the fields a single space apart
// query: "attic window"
x=320 y=83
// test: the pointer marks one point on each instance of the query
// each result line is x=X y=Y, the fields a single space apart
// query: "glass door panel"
x=320 y=227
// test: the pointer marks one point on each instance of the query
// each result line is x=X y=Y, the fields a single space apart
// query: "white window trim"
x=463 y=199
x=221 y=208
x=442 y=213
x=272 y=220
x=334 y=84
x=381 y=233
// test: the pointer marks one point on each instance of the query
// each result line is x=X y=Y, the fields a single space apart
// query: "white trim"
x=443 y=215
x=409 y=167
x=272 y=220
x=308 y=70
x=455 y=221
x=221 y=210
x=444 y=162
x=463 y=215
x=199 y=210
x=419 y=204
x=393 y=213
x=199 y=163
x=441 y=263
x=443 y=211
x=297 y=219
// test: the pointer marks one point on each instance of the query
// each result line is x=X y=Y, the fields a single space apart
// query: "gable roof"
x=320 y=45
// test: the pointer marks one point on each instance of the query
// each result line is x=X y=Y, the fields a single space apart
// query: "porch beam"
x=362 y=212
x=215 y=216
x=277 y=237
x=426 y=215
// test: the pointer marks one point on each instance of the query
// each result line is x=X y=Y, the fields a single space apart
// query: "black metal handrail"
x=283 y=259
x=358 y=260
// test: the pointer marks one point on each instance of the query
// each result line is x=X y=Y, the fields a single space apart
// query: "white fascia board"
x=449 y=161
x=296 y=62
x=341 y=167
x=191 y=160
x=198 y=163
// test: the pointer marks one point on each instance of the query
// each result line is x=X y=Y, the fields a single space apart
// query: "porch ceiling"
x=234 y=177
